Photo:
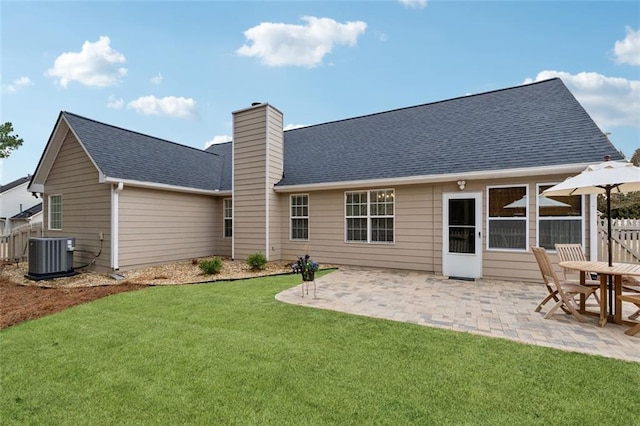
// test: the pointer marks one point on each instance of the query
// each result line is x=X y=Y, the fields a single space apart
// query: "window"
x=370 y=216
x=507 y=217
x=299 y=217
x=227 y=217
x=560 y=219
x=55 y=212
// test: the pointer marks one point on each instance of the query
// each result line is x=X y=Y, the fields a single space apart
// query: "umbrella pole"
x=609 y=248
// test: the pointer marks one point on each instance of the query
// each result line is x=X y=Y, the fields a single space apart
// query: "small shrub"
x=211 y=266
x=257 y=261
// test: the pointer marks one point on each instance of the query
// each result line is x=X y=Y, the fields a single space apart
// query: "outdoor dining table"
x=604 y=271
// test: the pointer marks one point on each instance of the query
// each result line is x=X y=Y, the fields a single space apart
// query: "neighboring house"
x=447 y=187
x=18 y=206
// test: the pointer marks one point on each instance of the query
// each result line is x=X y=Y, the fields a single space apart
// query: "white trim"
x=224 y=218
x=291 y=217
x=369 y=217
x=449 y=177
x=161 y=186
x=48 y=156
x=526 y=219
x=582 y=216
x=100 y=174
x=233 y=185
x=49 y=228
x=267 y=204
x=469 y=265
x=36 y=187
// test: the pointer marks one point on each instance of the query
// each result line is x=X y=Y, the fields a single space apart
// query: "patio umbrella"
x=605 y=178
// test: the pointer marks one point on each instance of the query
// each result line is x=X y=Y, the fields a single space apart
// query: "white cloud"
x=17 y=84
x=627 y=51
x=610 y=101
x=216 y=140
x=278 y=44
x=294 y=126
x=415 y=4
x=170 y=106
x=156 y=79
x=96 y=65
x=115 y=103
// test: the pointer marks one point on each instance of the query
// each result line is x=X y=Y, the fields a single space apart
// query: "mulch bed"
x=20 y=303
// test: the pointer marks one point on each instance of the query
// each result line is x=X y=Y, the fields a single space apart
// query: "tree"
x=8 y=142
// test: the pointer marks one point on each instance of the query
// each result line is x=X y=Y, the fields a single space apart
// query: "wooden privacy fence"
x=15 y=246
x=625 y=240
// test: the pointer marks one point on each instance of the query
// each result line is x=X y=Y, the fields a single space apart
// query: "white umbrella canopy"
x=604 y=178
x=542 y=202
x=618 y=176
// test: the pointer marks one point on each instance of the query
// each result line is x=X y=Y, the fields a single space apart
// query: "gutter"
x=161 y=186
x=449 y=177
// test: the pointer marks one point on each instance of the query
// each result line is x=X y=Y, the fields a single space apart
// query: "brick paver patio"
x=487 y=307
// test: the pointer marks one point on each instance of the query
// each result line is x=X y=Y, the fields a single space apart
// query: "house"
x=18 y=206
x=431 y=187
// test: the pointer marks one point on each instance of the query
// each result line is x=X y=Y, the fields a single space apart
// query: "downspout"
x=115 y=229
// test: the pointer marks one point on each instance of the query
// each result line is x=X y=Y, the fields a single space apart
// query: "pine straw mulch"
x=22 y=299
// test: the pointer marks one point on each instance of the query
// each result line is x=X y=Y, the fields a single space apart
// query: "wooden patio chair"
x=564 y=292
x=574 y=252
x=635 y=299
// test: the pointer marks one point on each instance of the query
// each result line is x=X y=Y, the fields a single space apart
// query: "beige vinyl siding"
x=415 y=247
x=418 y=231
x=275 y=152
x=164 y=226
x=86 y=204
x=249 y=182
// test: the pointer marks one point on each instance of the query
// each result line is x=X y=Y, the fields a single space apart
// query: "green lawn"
x=229 y=353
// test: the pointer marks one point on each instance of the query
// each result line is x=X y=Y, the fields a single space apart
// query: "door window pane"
x=462 y=240
x=462 y=212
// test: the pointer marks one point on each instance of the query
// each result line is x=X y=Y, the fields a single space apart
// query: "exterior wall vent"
x=51 y=258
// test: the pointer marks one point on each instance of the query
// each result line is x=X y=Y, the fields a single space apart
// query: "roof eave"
x=427 y=179
x=162 y=186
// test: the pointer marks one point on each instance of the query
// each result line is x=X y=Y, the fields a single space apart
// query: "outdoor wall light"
x=461 y=184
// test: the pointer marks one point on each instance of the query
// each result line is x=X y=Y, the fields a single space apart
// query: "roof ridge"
x=137 y=133
x=426 y=104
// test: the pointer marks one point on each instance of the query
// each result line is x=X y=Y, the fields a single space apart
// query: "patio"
x=487 y=307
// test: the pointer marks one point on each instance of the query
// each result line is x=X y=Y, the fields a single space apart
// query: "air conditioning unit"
x=51 y=258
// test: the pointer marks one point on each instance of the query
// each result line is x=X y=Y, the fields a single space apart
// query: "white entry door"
x=462 y=234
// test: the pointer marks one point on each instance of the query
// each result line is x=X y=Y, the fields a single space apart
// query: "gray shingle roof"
x=124 y=154
x=528 y=126
x=15 y=183
x=539 y=124
x=224 y=150
x=24 y=214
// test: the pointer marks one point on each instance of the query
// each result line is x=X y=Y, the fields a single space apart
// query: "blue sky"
x=176 y=70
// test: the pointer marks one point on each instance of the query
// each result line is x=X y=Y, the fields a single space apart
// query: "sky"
x=177 y=70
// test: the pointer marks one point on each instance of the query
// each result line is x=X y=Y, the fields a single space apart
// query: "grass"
x=229 y=353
